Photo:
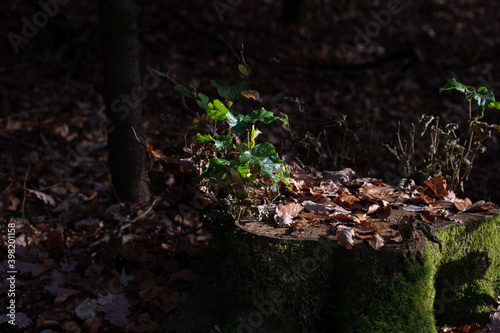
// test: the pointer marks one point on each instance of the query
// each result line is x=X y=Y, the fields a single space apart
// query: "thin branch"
x=166 y=75
x=24 y=197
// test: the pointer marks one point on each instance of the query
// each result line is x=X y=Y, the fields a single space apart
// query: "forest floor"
x=77 y=252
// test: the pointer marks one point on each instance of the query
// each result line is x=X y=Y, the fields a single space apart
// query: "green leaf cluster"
x=237 y=160
x=484 y=98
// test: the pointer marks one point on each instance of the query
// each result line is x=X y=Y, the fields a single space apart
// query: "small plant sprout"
x=451 y=152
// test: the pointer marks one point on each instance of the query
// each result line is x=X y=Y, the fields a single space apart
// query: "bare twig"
x=24 y=197
x=166 y=75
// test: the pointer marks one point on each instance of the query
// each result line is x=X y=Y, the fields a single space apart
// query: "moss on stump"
x=250 y=283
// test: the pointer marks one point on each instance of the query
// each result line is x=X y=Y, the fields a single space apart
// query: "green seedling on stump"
x=236 y=160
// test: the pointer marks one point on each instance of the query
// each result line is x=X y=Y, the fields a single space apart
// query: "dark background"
x=395 y=78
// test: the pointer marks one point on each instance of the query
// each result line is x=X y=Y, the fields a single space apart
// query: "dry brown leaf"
x=364 y=231
x=115 y=308
x=494 y=324
x=344 y=236
x=481 y=205
x=427 y=216
x=373 y=209
x=47 y=199
x=342 y=176
x=338 y=216
x=461 y=204
x=378 y=192
x=385 y=211
x=291 y=208
x=359 y=217
x=436 y=187
x=347 y=203
x=346 y=198
x=376 y=242
x=397 y=237
x=93 y=325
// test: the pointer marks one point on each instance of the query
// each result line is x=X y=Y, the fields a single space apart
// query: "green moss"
x=251 y=284
x=467 y=272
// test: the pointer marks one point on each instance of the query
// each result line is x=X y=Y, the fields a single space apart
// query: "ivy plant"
x=236 y=160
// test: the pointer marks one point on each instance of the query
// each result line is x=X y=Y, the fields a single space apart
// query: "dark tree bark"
x=294 y=12
x=123 y=95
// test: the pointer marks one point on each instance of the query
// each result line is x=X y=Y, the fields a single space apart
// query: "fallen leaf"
x=427 y=216
x=378 y=192
x=284 y=220
x=291 y=208
x=310 y=205
x=25 y=267
x=478 y=206
x=47 y=199
x=86 y=309
x=364 y=231
x=342 y=176
x=461 y=204
x=373 y=209
x=376 y=242
x=437 y=187
x=413 y=208
x=115 y=308
x=494 y=324
x=344 y=236
x=397 y=237
x=93 y=325
x=339 y=216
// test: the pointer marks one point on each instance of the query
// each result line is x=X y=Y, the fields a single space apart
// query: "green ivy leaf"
x=216 y=171
x=223 y=141
x=182 y=90
x=241 y=125
x=202 y=138
x=264 y=116
x=265 y=157
x=202 y=100
x=229 y=94
x=484 y=98
x=494 y=105
x=453 y=84
x=220 y=141
x=217 y=111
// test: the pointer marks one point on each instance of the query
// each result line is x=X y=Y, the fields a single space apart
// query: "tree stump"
x=258 y=278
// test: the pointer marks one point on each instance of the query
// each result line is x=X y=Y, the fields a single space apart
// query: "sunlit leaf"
x=243 y=70
x=453 y=84
x=344 y=236
x=376 y=242
x=253 y=94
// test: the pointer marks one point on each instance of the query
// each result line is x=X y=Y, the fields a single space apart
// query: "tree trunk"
x=123 y=92
x=294 y=12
